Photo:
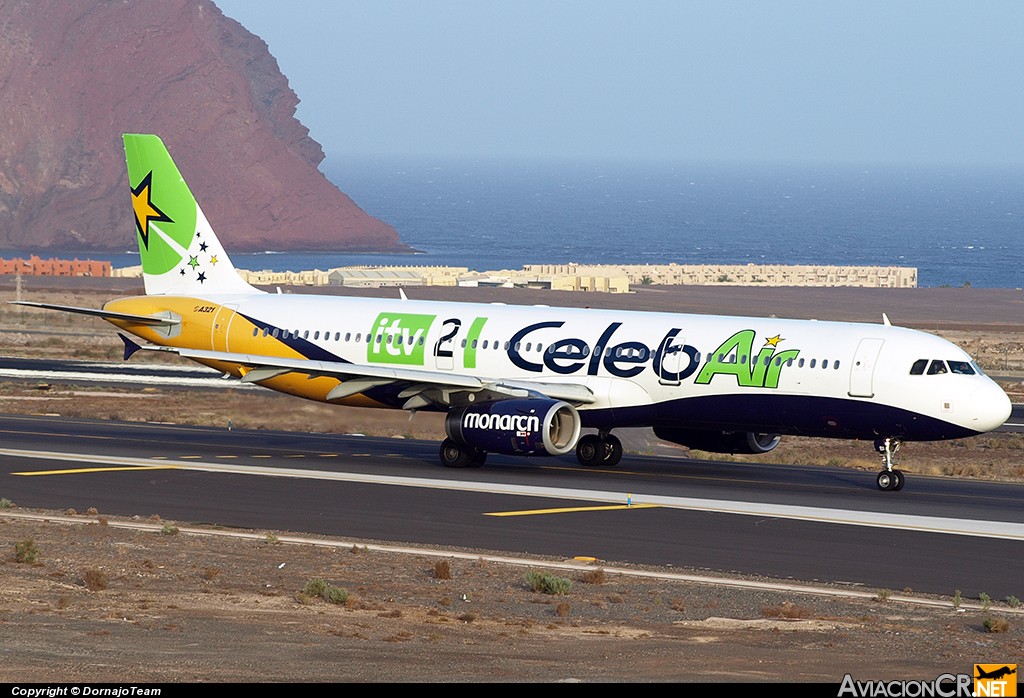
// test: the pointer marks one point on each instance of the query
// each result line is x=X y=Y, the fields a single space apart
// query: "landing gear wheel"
x=886 y=481
x=898 y=475
x=456 y=455
x=590 y=450
x=613 y=451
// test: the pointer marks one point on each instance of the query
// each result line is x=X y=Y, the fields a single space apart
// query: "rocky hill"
x=76 y=74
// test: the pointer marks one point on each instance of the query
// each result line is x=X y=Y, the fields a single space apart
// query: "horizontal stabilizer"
x=105 y=314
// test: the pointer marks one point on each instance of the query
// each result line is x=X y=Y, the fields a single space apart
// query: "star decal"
x=183 y=271
x=773 y=341
x=193 y=261
x=202 y=277
x=202 y=247
x=214 y=260
x=145 y=211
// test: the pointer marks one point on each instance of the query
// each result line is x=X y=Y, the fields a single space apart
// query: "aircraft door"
x=862 y=371
x=221 y=327
x=673 y=359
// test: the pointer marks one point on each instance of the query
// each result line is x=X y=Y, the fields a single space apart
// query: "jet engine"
x=516 y=427
x=719 y=441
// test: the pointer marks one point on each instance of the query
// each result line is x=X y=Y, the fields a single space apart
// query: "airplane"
x=995 y=673
x=527 y=380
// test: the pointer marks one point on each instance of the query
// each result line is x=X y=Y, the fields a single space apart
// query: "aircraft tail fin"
x=180 y=252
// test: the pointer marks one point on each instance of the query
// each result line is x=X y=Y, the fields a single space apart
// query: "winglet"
x=130 y=347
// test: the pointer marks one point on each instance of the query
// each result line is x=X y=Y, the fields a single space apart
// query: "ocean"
x=958 y=226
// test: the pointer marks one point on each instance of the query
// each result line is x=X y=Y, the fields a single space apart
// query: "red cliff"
x=76 y=74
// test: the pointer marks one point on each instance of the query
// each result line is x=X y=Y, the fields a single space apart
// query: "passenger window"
x=824 y=364
x=801 y=364
x=813 y=362
x=835 y=364
x=484 y=345
x=255 y=331
x=961 y=367
x=936 y=367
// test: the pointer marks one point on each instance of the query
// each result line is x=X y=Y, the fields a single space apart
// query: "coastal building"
x=35 y=266
x=607 y=278
x=739 y=275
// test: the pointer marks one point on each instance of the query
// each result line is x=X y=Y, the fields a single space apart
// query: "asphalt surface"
x=712 y=516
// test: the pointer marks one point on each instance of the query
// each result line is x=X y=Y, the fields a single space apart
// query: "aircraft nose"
x=992 y=407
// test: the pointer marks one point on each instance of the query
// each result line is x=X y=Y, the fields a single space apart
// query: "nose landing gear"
x=890 y=479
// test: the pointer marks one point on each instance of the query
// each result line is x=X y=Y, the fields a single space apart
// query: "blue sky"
x=816 y=81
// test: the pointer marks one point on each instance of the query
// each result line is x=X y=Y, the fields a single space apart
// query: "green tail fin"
x=180 y=252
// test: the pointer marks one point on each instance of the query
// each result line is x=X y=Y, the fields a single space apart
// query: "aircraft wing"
x=423 y=387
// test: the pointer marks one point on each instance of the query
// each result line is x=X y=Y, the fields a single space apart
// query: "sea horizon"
x=957 y=225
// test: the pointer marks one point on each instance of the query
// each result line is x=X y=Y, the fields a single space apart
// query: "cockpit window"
x=918 y=368
x=961 y=367
x=936 y=367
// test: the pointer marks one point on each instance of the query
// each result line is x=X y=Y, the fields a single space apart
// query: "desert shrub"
x=26 y=551
x=562 y=610
x=548 y=583
x=169 y=530
x=442 y=569
x=787 y=610
x=94 y=579
x=593 y=576
x=5 y=503
x=1012 y=601
x=996 y=625
x=320 y=588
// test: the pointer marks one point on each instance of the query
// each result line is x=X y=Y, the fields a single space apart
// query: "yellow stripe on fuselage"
x=211 y=326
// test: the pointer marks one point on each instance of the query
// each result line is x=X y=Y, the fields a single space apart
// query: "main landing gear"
x=456 y=455
x=601 y=448
x=889 y=479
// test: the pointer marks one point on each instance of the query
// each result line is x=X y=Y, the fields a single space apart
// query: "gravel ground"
x=117 y=600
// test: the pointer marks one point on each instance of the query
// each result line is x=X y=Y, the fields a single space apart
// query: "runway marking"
x=572 y=510
x=75 y=471
x=1007 y=530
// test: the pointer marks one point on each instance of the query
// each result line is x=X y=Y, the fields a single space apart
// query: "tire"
x=590 y=450
x=613 y=451
x=455 y=455
x=886 y=481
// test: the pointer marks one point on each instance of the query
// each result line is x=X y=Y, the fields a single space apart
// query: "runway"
x=787 y=522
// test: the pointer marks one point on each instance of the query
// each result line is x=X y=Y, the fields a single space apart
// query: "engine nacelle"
x=516 y=427
x=719 y=441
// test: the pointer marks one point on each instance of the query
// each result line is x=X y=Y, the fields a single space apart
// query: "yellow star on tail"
x=145 y=211
x=773 y=341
